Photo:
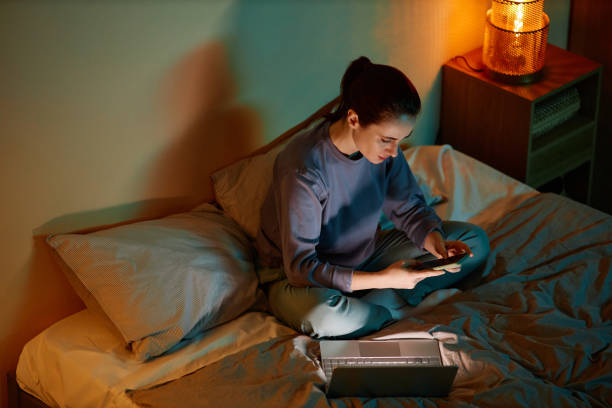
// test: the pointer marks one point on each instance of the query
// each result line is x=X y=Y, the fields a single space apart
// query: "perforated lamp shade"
x=515 y=38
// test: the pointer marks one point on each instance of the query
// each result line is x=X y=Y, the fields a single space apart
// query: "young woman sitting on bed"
x=341 y=276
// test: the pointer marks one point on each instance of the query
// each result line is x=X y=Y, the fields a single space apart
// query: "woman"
x=341 y=276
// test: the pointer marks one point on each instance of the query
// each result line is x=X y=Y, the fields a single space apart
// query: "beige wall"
x=117 y=110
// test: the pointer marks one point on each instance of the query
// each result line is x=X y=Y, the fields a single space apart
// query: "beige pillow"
x=90 y=301
x=159 y=281
x=241 y=188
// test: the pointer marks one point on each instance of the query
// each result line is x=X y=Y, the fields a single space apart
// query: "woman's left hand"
x=457 y=247
x=435 y=245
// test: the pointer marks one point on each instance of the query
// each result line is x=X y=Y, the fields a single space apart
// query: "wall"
x=113 y=110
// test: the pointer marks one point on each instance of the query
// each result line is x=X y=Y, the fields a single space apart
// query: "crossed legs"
x=325 y=313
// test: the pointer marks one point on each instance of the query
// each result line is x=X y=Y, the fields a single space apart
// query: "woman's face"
x=378 y=141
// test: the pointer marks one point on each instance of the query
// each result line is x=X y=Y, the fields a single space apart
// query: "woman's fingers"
x=443 y=250
x=434 y=244
x=440 y=250
x=458 y=247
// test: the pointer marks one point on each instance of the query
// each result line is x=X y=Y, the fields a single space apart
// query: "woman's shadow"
x=208 y=128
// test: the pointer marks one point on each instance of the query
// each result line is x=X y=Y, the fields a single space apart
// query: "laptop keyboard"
x=331 y=363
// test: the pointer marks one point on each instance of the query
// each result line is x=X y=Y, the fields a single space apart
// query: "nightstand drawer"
x=558 y=157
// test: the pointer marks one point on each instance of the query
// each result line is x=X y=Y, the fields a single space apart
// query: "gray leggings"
x=330 y=313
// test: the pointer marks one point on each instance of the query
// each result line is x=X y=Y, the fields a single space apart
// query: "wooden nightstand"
x=493 y=122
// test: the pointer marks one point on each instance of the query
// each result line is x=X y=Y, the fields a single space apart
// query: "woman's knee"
x=481 y=243
x=344 y=316
x=331 y=316
x=323 y=312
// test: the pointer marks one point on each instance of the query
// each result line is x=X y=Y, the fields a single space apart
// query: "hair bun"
x=356 y=68
x=362 y=62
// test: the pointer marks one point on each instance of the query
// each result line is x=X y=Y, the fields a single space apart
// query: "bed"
x=532 y=330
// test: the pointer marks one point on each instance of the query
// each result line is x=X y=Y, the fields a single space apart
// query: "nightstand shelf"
x=494 y=122
x=573 y=126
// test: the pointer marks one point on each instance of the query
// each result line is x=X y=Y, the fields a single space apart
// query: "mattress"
x=532 y=330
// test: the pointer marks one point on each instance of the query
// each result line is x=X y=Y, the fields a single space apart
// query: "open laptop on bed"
x=385 y=368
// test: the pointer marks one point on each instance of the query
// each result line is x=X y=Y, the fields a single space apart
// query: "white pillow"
x=241 y=188
x=474 y=192
x=160 y=280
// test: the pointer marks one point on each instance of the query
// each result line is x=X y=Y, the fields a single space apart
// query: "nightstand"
x=494 y=122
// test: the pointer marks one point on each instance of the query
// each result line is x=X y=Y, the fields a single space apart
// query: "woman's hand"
x=435 y=245
x=457 y=247
x=402 y=275
x=399 y=275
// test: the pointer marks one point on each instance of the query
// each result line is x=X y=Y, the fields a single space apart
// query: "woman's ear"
x=352 y=119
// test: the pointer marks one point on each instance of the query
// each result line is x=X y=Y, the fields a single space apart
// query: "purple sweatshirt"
x=320 y=217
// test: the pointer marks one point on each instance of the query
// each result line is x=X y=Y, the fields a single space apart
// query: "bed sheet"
x=79 y=362
x=534 y=331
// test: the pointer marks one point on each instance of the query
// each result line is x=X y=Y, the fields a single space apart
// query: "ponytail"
x=354 y=70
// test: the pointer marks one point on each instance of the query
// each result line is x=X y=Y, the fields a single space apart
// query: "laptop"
x=385 y=368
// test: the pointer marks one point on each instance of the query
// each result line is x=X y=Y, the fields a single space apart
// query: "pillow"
x=159 y=281
x=241 y=188
x=474 y=191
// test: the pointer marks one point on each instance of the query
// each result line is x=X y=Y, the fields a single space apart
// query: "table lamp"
x=515 y=40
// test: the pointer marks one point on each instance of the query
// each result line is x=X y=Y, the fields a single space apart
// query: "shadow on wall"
x=91 y=220
x=209 y=129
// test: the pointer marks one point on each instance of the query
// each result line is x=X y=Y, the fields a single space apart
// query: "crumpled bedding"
x=532 y=330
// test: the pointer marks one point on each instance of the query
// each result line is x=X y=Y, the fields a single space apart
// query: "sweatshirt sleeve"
x=300 y=204
x=405 y=203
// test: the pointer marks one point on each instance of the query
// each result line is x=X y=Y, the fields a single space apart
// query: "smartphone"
x=437 y=264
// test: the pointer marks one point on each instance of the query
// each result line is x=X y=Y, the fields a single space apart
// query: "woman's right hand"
x=399 y=275
x=402 y=275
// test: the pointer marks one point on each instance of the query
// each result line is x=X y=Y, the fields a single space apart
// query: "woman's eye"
x=386 y=140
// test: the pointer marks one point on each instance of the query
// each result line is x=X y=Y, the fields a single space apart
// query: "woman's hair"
x=376 y=92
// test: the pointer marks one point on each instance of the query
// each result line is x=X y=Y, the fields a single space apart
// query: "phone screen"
x=441 y=263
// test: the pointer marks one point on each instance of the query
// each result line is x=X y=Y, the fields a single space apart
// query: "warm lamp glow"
x=518 y=19
x=515 y=40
